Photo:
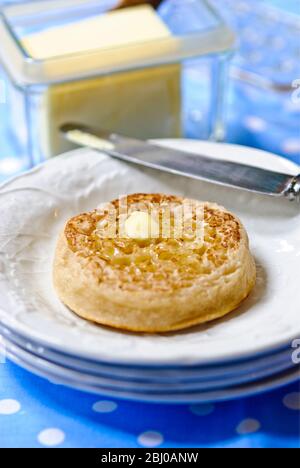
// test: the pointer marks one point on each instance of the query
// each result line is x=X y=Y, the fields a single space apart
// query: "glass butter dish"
x=127 y=70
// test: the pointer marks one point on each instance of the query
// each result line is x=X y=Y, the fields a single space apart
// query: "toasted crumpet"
x=154 y=284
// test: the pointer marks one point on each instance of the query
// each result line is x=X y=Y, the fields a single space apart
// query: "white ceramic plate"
x=278 y=365
x=242 y=371
x=35 y=206
x=196 y=396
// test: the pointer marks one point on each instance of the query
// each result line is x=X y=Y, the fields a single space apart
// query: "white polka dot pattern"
x=256 y=124
x=248 y=426
x=291 y=146
x=104 y=406
x=10 y=165
x=51 y=437
x=150 y=439
x=9 y=406
x=292 y=401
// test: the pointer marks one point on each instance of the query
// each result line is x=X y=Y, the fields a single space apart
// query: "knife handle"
x=293 y=190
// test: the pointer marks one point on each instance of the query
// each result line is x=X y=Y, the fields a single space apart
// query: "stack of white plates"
x=248 y=352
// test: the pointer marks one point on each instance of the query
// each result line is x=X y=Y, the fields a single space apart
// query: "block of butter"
x=117 y=28
x=142 y=103
x=141 y=225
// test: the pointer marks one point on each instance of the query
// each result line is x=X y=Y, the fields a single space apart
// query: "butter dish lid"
x=51 y=41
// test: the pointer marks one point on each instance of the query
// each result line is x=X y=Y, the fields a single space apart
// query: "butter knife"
x=191 y=165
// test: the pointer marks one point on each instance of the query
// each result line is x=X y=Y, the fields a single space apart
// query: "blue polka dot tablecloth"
x=37 y=413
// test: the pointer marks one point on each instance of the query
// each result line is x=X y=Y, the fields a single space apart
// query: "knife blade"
x=191 y=165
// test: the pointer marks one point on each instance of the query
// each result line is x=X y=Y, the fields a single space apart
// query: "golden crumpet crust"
x=153 y=285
